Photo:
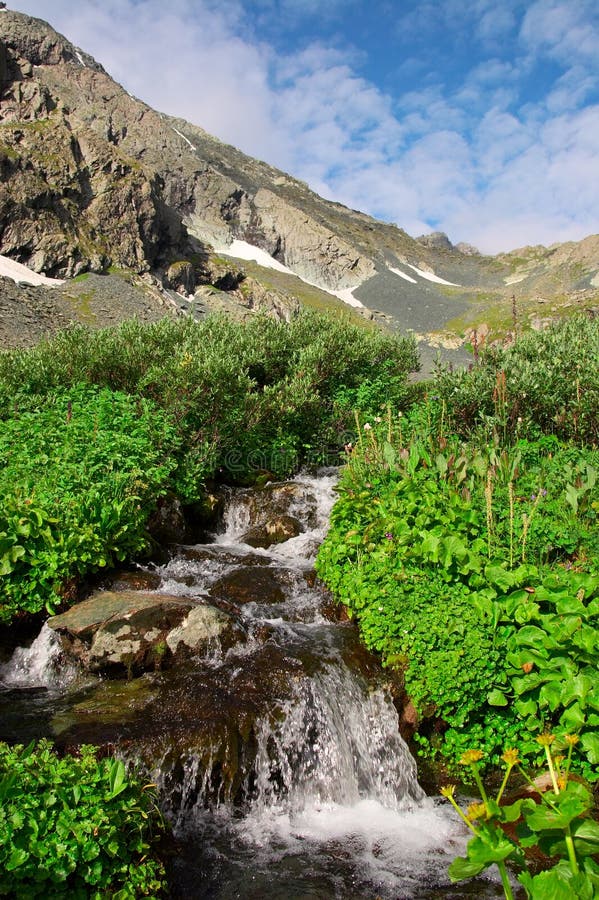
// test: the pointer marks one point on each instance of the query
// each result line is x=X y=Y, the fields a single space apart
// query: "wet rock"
x=133 y=631
x=167 y=524
x=190 y=719
x=249 y=584
x=136 y=580
x=205 y=553
x=274 y=531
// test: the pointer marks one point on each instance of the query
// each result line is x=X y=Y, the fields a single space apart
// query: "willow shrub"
x=244 y=396
x=545 y=383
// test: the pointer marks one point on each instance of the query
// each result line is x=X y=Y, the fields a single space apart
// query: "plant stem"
x=481 y=787
x=505 y=880
x=552 y=770
x=571 y=851
x=503 y=783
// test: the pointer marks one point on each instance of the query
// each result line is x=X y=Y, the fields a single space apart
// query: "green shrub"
x=78 y=481
x=545 y=383
x=440 y=551
x=75 y=827
x=244 y=396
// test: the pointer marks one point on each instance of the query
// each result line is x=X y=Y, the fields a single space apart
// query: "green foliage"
x=76 y=827
x=245 y=397
x=558 y=824
x=545 y=383
x=440 y=549
x=78 y=480
x=97 y=425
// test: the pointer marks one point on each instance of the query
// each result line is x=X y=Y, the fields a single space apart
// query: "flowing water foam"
x=332 y=784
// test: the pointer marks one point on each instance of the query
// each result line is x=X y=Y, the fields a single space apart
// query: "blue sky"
x=479 y=118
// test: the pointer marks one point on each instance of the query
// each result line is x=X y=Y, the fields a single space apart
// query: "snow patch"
x=430 y=276
x=514 y=279
x=243 y=250
x=80 y=58
x=22 y=275
x=402 y=274
x=595 y=280
x=187 y=141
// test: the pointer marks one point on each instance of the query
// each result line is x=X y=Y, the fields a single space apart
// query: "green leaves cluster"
x=78 y=480
x=558 y=822
x=456 y=560
x=76 y=827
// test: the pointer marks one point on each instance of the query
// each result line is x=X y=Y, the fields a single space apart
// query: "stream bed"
x=278 y=760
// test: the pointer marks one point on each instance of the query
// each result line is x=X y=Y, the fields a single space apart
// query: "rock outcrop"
x=129 y=632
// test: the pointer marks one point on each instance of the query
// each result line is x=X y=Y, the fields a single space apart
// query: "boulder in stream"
x=130 y=632
x=273 y=531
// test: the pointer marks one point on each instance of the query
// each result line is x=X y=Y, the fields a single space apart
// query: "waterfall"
x=39 y=665
x=278 y=760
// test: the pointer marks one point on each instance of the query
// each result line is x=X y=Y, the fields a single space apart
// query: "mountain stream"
x=279 y=762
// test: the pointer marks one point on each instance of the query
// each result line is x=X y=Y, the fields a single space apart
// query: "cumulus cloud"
x=474 y=152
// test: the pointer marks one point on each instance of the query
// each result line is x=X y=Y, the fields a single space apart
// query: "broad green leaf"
x=590 y=742
x=496 y=698
x=462 y=868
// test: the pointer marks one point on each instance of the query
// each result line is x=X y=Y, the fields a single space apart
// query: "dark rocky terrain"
x=92 y=179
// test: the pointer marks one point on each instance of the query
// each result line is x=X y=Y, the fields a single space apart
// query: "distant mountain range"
x=140 y=212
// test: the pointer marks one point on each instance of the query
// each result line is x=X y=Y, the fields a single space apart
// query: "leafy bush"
x=440 y=550
x=545 y=383
x=75 y=827
x=78 y=481
x=245 y=396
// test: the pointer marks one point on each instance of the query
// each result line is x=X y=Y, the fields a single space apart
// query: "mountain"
x=93 y=180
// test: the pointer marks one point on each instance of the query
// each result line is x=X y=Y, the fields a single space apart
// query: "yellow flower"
x=545 y=740
x=571 y=739
x=510 y=757
x=476 y=811
x=448 y=791
x=470 y=756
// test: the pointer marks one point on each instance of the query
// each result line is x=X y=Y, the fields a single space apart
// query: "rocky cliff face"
x=91 y=178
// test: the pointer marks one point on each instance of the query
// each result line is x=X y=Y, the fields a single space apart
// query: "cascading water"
x=39 y=665
x=279 y=762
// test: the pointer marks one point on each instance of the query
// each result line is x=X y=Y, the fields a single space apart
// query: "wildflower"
x=519 y=420
x=545 y=740
x=476 y=811
x=527 y=667
x=543 y=493
x=367 y=426
x=510 y=757
x=399 y=414
x=470 y=756
x=532 y=496
x=389 y=535
x=448 y=791
x=571 y=739
x=378 y=420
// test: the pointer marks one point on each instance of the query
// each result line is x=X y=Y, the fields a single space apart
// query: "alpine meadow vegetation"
x=97 y=426
x=465 y=544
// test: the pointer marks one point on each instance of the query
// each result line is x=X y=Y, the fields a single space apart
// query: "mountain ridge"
x=92 y=178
